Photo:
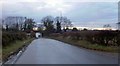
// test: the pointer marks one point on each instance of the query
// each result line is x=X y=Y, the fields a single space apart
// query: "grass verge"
x=14 y=48
x=88 y=45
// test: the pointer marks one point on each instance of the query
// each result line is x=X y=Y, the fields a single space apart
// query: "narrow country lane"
x=49 y=51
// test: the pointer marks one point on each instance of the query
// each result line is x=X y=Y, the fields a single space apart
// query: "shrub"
x=55 y=34
x=107 y=38
x=8 y=37
x=118 y=39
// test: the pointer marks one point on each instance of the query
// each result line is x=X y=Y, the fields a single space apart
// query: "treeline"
x=55 y=25
x=16 y=28
x=49 y=24
x=25 y=25
x=103 y=37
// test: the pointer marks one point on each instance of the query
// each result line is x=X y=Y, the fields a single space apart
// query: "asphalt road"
x=49 y=51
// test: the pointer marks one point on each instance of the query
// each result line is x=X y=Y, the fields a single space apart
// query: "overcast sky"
x=82 y=13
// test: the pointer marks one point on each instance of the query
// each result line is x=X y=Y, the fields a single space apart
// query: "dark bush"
x=8 y=37
x=118 y=39
x=55 y=34
x=106 y=38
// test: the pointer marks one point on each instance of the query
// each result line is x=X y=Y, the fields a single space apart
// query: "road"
x=49 y=51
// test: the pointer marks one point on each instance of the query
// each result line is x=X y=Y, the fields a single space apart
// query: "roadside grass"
x=88 y=45
x=14 y=47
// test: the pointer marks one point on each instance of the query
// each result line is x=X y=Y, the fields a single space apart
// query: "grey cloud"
x=79 y=12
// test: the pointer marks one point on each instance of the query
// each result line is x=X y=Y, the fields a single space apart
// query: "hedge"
x=9 y=37
x=106 y=38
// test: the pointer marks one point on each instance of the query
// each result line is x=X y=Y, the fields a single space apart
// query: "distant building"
x=35 y=28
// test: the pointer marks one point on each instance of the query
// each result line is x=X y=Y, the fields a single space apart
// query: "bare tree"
x=48 y=23
x=66 y=23
x=58 y=21
x=29 y=24
x=63 y=22
x=14 y=22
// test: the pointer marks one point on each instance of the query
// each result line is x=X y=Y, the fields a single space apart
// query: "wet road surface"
x=49 y=51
